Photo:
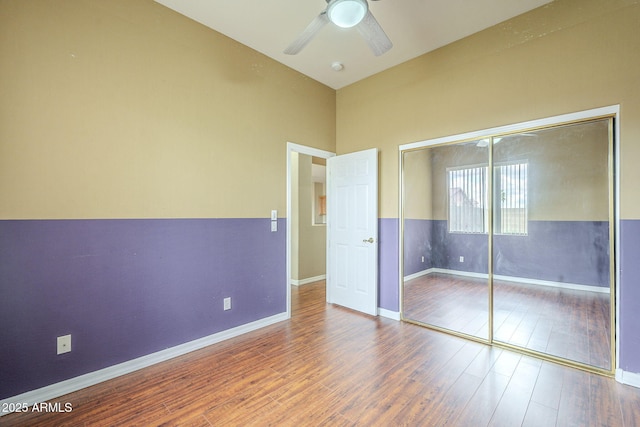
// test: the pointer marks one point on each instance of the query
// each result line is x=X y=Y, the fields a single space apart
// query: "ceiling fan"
x=345 y=14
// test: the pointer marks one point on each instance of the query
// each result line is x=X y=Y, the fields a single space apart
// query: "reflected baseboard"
x=574 y=286
x=420 y=274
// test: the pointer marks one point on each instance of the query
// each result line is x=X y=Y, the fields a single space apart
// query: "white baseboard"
x=419 y=274
x=575 y=286
x=628 y=378
x=74 y=384
x=526 y=280
x=308 y=280
x=393 y=315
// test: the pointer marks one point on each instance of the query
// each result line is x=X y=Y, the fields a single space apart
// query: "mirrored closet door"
x=552 y=240
x=446 y=237
x=507 y=239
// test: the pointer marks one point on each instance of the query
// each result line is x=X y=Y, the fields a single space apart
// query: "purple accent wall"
x=417 y=244
x=570 y=251
x=388 y=292
x=565 y=248
x=127 y=288
x=629 y=296
x=449 y=247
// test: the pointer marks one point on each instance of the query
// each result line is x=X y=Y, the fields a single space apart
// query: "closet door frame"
x=611 y=112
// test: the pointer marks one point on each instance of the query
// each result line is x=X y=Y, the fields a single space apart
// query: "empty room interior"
x=197 y=230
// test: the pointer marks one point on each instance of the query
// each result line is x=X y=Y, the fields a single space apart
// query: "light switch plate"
x=274 y=226
x=274 y=215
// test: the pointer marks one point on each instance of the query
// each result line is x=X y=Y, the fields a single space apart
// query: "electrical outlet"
x=461 y=259
x=64 y=344
x=422 y=259
x=227 y=303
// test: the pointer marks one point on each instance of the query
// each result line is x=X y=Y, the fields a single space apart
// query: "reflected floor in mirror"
x=448 y=301
x=567 y=323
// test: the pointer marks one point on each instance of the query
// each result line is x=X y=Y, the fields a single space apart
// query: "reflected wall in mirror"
x=521 y=223
x=445 y=226
x=551 y=242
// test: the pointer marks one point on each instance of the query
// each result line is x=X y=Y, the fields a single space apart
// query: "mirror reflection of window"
x=510 y=214
x=468 y=200
x=468 y=206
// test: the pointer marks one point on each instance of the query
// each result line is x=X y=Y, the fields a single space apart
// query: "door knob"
x=369 y=240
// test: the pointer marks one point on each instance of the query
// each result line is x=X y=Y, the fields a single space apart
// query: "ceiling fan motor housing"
x=347 y=13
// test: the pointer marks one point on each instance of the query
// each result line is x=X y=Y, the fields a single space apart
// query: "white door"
x=352 y=231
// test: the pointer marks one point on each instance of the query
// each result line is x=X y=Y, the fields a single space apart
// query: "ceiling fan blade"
x=374 y=35
x=305 y=37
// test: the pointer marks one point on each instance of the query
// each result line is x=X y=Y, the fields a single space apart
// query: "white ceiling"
x=414 y=26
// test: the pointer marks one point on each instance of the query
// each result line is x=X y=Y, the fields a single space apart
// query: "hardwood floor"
x=565 y=323
x=330 y=366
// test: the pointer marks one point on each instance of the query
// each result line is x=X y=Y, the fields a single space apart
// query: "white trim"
x=308 y=280
x=393 y=315
x=297 y=148
x=628 y=378
x=617 y=216
x=563 y=285
x=574 y=286
x=516 y=127
x=74 y=384
x=400 y=233
x=310 y=151
x=419 y=274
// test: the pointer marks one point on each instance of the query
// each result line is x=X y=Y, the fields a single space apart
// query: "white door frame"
x=302 y=149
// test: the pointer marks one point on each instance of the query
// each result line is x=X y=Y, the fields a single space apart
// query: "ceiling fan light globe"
x=347 y=13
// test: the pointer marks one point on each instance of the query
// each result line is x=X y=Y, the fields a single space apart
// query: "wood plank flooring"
x=329 y=366
x=567 y=323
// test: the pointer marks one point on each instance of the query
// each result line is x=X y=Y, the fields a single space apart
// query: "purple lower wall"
x=417 y=244
x=388 y=295
x=629 y=296
x=127 y=288
x=449 y=247
x=571 y=251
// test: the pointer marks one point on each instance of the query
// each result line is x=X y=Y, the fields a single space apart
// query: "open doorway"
x=306 y=218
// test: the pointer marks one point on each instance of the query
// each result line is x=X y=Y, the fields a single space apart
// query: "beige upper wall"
x=124 y=108
x=127 y=109
x=417 y=184
x=569 y=56
x=308 y=251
